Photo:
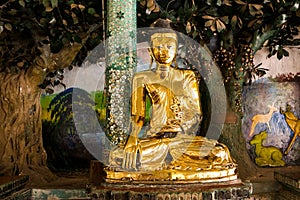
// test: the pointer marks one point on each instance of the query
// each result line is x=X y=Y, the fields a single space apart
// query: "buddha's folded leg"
x=199 y=153
x=153 y=153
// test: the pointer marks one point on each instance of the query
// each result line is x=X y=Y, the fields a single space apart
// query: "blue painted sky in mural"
x=256 y=99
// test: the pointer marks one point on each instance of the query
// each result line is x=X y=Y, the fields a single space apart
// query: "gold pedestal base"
x=170 y=176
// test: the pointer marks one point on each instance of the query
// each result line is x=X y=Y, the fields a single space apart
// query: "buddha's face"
x=164 y=47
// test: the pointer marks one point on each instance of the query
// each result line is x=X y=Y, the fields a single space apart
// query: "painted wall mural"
x=63 y=144
x=271 y=123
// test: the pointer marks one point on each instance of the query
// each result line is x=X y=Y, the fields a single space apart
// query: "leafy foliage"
x=230 y=24
x=236 y=25
x=53 y=79
x=25 y=25
x=234 y=30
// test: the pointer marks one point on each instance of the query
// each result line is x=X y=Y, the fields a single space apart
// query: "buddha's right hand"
x=130 y=153
x=154 y=93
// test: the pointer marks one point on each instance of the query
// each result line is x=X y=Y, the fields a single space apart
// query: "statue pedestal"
x=167 y=190
x=171 y=176
x=290 y=185
x=13 y=187
x=196 y=191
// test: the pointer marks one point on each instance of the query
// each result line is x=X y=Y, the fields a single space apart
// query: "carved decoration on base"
x=171 y=176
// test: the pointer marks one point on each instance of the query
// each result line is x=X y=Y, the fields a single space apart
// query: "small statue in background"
x=169 y=149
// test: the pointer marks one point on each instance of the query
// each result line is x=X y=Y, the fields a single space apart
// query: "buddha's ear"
x=150 y=53
x=151 y=57
x=175 y=62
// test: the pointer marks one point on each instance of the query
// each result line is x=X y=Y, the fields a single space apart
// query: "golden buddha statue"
x=169 y=150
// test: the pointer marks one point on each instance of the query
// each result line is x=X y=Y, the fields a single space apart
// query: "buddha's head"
x=163 y=43
x=164 y=47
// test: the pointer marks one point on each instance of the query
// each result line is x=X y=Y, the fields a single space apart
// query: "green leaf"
x=81 y=7
x=22 y=3
x=8 y=26
x=209 y=23
x=75 y=19
x=45 y=3
x=54 y=3
x=43 y=21
x=257 y=7
x=225 y=19
x=252 y=11
x=209 y=2
x=77 y=39
x=251 y=23
x=259 y=40
x=243 y=9
x=91 y=11
x=208 y=17
x=213 y=27
x=186 y=4
x=296 y=6
x=240 y=22
x=195 y=34
x=220 y=25
x=281 y=20
x=227 y=2
x=73 y=5
x=285 y=52
x=240 y=2
x=188 y=27
x=12 y=12
x=66 y=39
x=47 y=6
x=280 y=53
x=234 y=21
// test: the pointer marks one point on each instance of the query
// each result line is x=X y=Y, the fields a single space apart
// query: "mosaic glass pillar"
x=120 y=66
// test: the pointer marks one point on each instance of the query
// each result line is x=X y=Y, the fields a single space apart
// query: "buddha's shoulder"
x=142 y=74
x=186 y=72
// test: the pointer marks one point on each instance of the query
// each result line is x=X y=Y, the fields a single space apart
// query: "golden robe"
x=170 y=141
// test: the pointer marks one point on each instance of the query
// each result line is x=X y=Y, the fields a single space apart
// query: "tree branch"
x=6 y=3
x=49 y=61
x=65 y=57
